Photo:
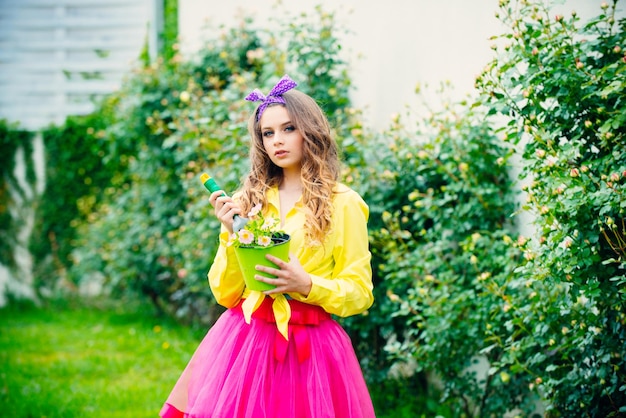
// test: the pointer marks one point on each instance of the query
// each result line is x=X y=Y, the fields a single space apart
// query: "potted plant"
x=259 y=237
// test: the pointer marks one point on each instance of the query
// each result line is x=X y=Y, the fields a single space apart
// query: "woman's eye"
x=267 y=133
x=290 y=128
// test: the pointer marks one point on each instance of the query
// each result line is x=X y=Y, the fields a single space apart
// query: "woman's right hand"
x=225 y=209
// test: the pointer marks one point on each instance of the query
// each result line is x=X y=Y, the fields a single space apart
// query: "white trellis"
x=56 y=56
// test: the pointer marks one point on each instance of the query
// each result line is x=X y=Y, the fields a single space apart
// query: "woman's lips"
x=281 y=153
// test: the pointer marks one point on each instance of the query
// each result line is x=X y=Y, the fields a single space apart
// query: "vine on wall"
x=12 y=139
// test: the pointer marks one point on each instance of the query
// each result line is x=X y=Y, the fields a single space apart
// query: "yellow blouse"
x=340 y=270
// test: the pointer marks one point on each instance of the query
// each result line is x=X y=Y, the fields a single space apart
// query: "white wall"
x=393 y=45
x=403 y=42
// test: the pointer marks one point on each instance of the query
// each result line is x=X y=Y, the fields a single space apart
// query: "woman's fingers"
x=289 y=276
x=225 y=208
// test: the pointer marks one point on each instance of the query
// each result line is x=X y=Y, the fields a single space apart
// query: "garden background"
x=477 y=313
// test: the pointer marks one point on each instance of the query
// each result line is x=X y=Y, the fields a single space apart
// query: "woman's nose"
x=278 y=138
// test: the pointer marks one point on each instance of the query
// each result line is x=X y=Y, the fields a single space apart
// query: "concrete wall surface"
x=394 y=45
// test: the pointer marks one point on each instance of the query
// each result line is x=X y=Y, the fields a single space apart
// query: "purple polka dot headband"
x=274 y=96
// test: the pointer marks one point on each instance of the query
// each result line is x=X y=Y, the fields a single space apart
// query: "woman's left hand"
x=290 y=276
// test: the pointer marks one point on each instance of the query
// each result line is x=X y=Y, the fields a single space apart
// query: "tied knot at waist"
x=302 y=315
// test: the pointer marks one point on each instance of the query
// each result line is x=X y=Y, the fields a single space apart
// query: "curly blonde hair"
x=320 y=165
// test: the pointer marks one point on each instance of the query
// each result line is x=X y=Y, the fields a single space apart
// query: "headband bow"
x=274 y=96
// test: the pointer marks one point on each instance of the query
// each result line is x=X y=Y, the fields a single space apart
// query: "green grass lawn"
x=71 y=359
x=76 y=361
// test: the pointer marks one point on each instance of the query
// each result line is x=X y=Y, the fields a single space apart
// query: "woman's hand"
x=290 y=276
x=225 y=209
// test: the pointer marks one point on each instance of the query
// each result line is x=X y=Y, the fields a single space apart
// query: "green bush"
x=560 y=84
x=76 y=175
x=442 y=200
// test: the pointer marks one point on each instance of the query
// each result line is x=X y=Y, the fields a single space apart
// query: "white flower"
x=566 y=243
x=256 y=209
x=269 y=223
x=264 y=241
x=582 y=299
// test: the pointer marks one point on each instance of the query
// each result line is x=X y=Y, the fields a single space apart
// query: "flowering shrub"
x=544 y=311
x=258 y=231
x=560 y=85
x=441 y=238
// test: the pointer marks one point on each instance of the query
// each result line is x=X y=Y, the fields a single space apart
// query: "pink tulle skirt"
x=245 y=370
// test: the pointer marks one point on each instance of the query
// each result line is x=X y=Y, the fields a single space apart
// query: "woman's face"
x=281 y=139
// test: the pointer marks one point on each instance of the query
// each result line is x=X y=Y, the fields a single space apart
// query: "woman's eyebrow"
x=281 y=125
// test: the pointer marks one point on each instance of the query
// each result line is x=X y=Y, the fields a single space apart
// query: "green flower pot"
x=250 y=257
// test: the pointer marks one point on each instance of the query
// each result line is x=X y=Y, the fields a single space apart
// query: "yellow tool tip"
x=204 y=177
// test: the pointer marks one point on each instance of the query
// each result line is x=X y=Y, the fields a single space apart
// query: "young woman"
x=245 y=366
